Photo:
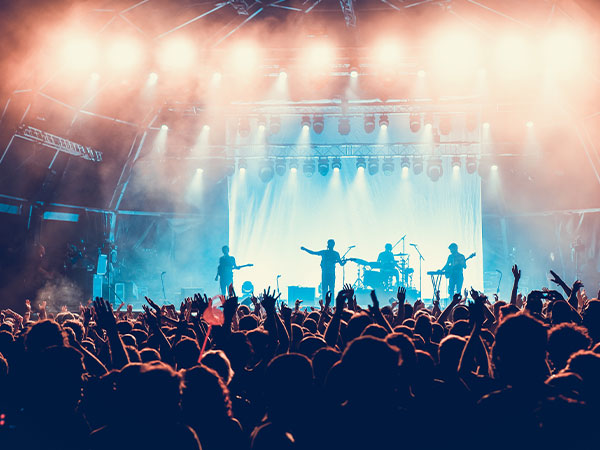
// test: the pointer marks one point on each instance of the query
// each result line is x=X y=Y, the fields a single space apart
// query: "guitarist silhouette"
x=453 y=269
x=225 y=269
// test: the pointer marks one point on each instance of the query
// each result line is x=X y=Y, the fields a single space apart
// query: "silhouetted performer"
x=225 y=270
x=329 y=258
x=453 y=269
x=388 y=264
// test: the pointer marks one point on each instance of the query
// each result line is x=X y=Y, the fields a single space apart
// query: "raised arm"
x=558 y=280
x=310 y=252
x=106 y=320
x=517 y=276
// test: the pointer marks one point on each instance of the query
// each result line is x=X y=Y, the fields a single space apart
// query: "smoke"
x=59 y=292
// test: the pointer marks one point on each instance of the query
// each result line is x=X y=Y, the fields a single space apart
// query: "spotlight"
x=261 y=123
x=471 y=164
x=384 y=121
x=280 y=167
x=344 y=126
x=323 y=166
x=275 y=124
x=388 y=166
x=177 y=54
x=415 y=122
x=369 y=123
x=456 y=162
x=353 y=72
x=445 y=125
x=486 y=125
x=318 y=124
x=336 y=164
x=265 y=172
x=152 y=78
x=305 y=122
x=308 y=168
x=529 y=124
x=373 y=166
x=283 y=74
x=405 y=162
x=429 y=120
x=216 y=76
x=164 y=127
x=417 y=165
x=229 y=168
x=494 y=167
x=293 y=166
x=361 y=164
x=434 y=169
x=242 y=165
x=244 y=127
x=421 y=73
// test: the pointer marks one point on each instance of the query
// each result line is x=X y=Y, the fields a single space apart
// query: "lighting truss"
x=348 y=11
x=241 y=6
x=58 y=143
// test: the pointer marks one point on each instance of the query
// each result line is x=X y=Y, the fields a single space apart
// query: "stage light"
x=323 y=166
x=79 y=53
x=336 y=164
x=445 y=125
x=318 y=124
x=308 y=168
x=152 y=78
x=369 y=123
x=244 y=127
x=261 y=123
x=429 y=120
x=405 y=162
x=456 y=162
x=265 y=171
x=344 y=126
x=373 y=166
x=417 y=165
x=471 y=164
x=275 y=124
x=319 y=57
x=434 y=169
x=494 y=167
x=485 y=125
x=421 y=73
x=124 y=54
x=206 y=128
x=280 y=166
x=199 y=171
x=283 y=74
x=361 y=163
x=293 y=166
x=242 y=165
x=229 y=168
x=245 y=58
x=95 y=76
x=177 y=53
x=217 y=76
x=388 y=166
x=415 y=122
x=164 y=127
x=529 y=124
x=384 y=121
x=353 y=73
x=305 y=122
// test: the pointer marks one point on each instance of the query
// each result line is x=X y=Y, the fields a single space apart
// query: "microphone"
x=163 y=273
x=352 y=246
x=414 y=245
x=278 y=276
x=499 y=271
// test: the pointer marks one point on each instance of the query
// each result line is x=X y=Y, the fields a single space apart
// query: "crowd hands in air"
x=479 y=373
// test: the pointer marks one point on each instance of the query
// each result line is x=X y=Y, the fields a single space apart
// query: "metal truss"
x=58 y=143
x=348 y=11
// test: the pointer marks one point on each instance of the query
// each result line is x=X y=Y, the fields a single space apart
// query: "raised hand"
x=231 y=303
x=340 y=301
x=200 y=303
x=401 y=295
x=516 y=272
x=151 y=318
x=104 y=314
x=268 y=300
x=327 y=300
x=555 y=278
x=154 y=306
x=456 y=299
x=375 y=301
x=286 y=312
x=476 y=313
x=577 y=285
x=297 y=305
x=27 y=306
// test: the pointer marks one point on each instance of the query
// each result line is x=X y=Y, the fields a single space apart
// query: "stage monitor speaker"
x=126 y=291
x=306 y=294
x=100 y=287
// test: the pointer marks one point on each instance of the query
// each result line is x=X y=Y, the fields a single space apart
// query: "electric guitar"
x=220 y=269
x=454 y=269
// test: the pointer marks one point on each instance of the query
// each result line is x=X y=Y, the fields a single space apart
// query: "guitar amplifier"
x=126 y=291
x=306 y=294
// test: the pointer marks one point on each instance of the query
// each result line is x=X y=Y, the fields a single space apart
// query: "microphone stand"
x=420 y=272
x=277 y=281
x=344 y=267
x=162 y=281
x=498 y=288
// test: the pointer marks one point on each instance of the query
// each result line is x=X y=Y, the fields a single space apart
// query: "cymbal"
x=362 y=262
x=400 y=254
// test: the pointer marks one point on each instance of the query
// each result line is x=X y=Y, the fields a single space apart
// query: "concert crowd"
x=478 y=373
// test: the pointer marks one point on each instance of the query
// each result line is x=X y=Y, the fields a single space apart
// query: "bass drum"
x=373 y=279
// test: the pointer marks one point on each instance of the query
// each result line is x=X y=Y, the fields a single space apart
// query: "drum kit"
x=386 y=276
